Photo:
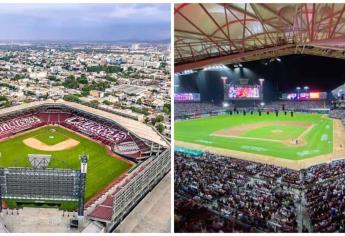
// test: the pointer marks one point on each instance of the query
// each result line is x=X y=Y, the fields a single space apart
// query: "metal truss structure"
x=209 y=34
x=39 y=184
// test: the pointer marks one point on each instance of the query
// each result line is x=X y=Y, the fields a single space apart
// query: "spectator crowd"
x=195 y=108
x=243 y=196
x=298 y=105
x=338 y=114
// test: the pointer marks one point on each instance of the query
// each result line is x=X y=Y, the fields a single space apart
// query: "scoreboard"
x=305 y=96
x=240 y=92
x=187 y=97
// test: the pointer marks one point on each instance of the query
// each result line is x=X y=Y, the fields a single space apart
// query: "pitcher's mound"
x=37 y=144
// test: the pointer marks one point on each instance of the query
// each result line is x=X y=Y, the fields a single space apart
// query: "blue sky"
x=109 y=22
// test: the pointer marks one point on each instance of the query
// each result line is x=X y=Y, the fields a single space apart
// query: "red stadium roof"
x=212 y=33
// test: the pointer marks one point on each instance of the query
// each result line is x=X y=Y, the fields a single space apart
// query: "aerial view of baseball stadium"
x=78 y=160
x=259 y=102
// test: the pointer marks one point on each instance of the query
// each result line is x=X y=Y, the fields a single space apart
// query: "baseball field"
x=65 y=147
x=294 y=138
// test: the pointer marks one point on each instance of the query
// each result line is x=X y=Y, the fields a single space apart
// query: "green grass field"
x=318 y=139
x=102 y=168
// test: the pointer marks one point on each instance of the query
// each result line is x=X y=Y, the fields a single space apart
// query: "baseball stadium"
x=259 y=100
x=91 y=165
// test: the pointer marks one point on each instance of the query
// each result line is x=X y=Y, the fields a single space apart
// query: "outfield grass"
x=319 y=139
x=102 y=168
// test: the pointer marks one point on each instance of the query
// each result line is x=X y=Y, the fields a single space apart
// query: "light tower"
x=298 y=89
x=83 y=170
x=224 y=78
x=261 y=80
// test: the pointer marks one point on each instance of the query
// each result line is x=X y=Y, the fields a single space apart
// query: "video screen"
x=187 y=97
x=305 y=96
x=244 y=92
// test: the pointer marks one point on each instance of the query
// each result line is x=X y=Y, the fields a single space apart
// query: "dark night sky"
x=319 y=73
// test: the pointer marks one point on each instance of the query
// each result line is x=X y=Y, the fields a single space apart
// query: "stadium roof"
x=140 y=129
x=212 y=33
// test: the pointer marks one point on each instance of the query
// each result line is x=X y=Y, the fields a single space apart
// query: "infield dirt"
x=39 y=145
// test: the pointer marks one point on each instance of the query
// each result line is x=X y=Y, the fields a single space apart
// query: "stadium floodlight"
x=240 y=65
x=298 y=88
x=185 y=72
x=216 y=67
x=306 y=88
x=225 y=104
x=262 y=104
x=235 y=65
x=278 y=59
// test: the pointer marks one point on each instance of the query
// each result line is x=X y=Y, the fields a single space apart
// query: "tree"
x=85 y=92
x=17 y=77
x=167 y=108
x=106 y=102
x=3 y=98
x=82 y=80
x=94 y=103
x=160 y=127
x=111 y=79
x=70 y=82
x=162 y=65
x=108 y=69
x=72 y=98
x=159 y=118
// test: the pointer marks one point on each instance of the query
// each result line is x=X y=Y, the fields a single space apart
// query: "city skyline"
x=85 y=22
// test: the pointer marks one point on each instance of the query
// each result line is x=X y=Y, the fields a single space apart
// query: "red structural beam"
x=337 y=22
x=218 y=26
x=202 y=32
x=275 y=13
x=222 y=59
x=180 y=7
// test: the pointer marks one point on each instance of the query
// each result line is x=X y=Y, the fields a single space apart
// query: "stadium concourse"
x=124 y=138
x=269 y=78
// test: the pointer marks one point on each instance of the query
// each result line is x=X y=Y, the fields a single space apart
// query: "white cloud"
x=89 y=12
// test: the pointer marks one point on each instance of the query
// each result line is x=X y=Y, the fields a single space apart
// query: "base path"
x=64 y=145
